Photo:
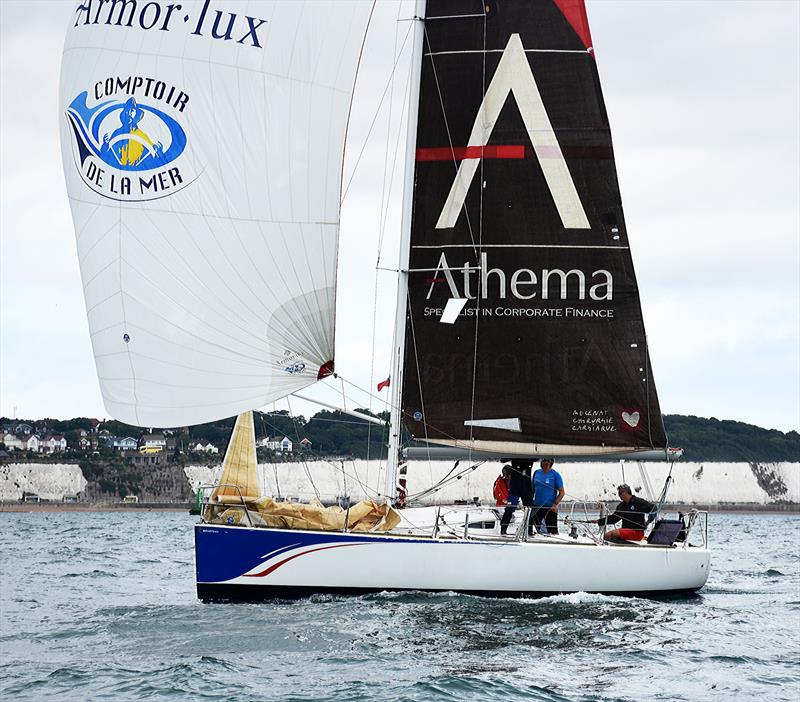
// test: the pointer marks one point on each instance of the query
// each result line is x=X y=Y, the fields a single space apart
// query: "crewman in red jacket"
x=501 y=484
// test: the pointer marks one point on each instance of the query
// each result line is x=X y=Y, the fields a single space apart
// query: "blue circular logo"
x=126 y=135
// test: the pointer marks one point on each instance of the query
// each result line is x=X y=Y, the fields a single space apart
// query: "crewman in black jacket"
x=519 y=488
x=633 y=511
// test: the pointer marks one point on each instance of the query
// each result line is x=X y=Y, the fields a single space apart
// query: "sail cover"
x=202 y=145
x=524 y=328
x=239 y=479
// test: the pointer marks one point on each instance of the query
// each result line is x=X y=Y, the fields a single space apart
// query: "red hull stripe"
x=275 y=567
x=445 y=153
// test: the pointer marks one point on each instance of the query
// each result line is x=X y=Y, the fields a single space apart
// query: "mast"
x=398 y=347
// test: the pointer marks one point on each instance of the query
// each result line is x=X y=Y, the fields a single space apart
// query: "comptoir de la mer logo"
x=128 y=138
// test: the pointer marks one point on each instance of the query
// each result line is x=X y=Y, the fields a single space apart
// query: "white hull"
x=292 y=562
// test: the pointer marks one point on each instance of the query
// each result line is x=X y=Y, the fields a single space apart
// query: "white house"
x=203 y=446
x=129 y=443
x=153 y=442
x=86 y=440
x=13 y=442
x=31 y=443
x=275 y=443
x=53 y=444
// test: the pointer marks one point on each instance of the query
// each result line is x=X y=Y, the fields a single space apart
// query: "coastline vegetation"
x=112 y=474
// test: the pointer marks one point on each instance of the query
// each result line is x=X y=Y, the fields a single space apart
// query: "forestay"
x=202 y=145
x=524 y=329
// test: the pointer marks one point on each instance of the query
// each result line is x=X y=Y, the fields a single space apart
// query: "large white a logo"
x=514 y=75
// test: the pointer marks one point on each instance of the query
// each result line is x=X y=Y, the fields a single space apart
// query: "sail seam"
x=513 y=246
x=153 y=406
x=221 y=64
x=439 y=17
x=211 y=215
x=500 y=51
x=225 y=314
x=449 y=135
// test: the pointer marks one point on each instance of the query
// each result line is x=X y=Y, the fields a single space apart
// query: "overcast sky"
x=704 y=103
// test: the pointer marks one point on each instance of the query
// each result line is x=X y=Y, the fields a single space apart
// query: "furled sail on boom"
x=202 y=145
x=524 y=329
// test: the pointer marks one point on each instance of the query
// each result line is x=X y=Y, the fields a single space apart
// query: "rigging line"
x=374 y=119
x=366 y=488
x=364 y=483
x=305 y=464
x=419 y=376
x=274 y=465
x=444 y=433
x=339 y=421
x=448 y=479
x=382 y=218
x=294 y=419
x=384 y=196
x=345 y=493
x=480 y=243
x=342 y=194
x=449 y=137
x=400 y=132
x=372 y=354
x=310 y=479
x=647 y=392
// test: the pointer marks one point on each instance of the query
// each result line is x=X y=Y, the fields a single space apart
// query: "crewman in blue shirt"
x=548 y=487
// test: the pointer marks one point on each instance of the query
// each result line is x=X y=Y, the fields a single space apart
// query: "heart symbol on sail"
x=631 y=419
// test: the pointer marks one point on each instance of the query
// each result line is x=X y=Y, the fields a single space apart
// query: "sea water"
x=101 y=606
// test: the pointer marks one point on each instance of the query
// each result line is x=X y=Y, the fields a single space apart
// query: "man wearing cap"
x=548 y=486
x=633 y=511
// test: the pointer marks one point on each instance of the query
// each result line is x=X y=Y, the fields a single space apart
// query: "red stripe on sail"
x=459 y=153
x=574 y=12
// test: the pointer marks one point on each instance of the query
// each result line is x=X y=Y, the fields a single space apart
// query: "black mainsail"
x=524 y=330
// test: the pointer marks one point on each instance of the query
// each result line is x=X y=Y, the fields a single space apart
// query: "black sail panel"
x=517 y=214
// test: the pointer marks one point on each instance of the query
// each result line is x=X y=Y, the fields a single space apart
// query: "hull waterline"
x=242 y=563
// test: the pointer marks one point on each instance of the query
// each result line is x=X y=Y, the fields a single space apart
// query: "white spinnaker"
x=209 y=274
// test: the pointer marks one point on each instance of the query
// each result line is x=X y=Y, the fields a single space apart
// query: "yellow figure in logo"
x=131 y=150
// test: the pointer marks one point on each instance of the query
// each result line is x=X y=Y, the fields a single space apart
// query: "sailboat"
x=202 y=148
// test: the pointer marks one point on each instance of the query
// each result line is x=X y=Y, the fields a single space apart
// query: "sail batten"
x=203 y=166
x=517 y=211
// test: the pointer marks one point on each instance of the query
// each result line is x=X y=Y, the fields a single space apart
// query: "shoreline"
x=738 y=508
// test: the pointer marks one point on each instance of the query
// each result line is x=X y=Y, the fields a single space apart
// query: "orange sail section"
x=239 y=479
